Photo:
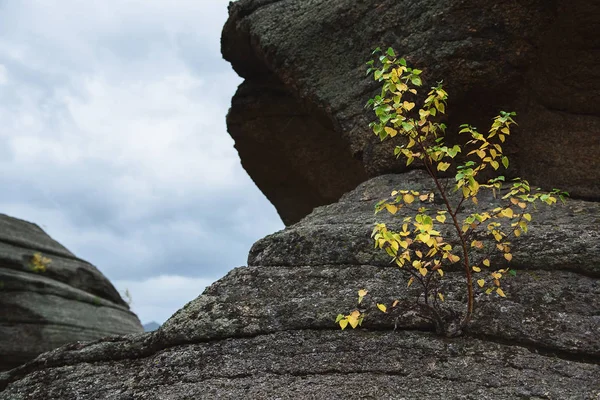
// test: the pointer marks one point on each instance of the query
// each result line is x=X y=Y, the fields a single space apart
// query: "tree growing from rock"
x=423 y=248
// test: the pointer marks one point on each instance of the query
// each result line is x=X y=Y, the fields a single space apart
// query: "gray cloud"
x=113 y=138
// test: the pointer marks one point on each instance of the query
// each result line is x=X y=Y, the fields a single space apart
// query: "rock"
x=268 y=331
x=40 y=311
x=298 y=119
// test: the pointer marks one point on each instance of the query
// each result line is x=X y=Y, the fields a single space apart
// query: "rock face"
x=298 y=119
x=267 y=330
x=40 y=311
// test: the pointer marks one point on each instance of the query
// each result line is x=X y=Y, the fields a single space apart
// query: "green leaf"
x=407 y=126
x=505 y=161
x=415 y=80
x=390 y=52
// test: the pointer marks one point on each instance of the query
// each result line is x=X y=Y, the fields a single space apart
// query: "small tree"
x=39 y=263
x=128 y=298
x=419 y=248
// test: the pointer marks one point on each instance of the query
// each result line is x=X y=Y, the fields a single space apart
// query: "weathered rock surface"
x=298 y=119
x=41 y=311
x=267 y=330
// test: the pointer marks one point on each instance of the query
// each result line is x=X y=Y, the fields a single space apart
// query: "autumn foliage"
x=419 y=248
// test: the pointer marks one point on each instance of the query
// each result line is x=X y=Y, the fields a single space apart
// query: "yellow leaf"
x=401 y=86
x=476 y=269
x=441 y=296
x=361 y=293
x=408 y=198
x=419 y=254
x=486 y=262
x=441 y=218
x=507 y=212
x=391 y=131
x=424 y=237
x=517 y=233
x=481 y=282
x=408 y=105
x=527 y=217
x=353 y=318
x=410 y=281
x=392 y=209
x=423 y=271
x=443 y=166
x=500 y=292
x=343 y=323
x=514 y=201
x=382 y=307
x=441 y=272
x=508 y=256
x=476 y=243
x=474 y=200
x=522 y=205
x=453 y=258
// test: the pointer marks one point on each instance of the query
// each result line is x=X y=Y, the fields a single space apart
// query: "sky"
x=113 y=140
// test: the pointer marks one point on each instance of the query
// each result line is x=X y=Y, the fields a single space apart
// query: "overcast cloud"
x=113 y=139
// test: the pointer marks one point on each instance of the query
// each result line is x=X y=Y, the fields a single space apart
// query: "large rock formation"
x=40 y=311
x=267 y=330
x=298 y=119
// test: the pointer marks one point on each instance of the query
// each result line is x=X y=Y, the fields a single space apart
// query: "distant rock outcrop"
x=267 y=330
x=298 y=119
x=41 y=311
x=151 y=326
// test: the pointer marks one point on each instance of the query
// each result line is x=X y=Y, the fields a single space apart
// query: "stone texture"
x=298 y=119
x=267 y=330
x=70 y=301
